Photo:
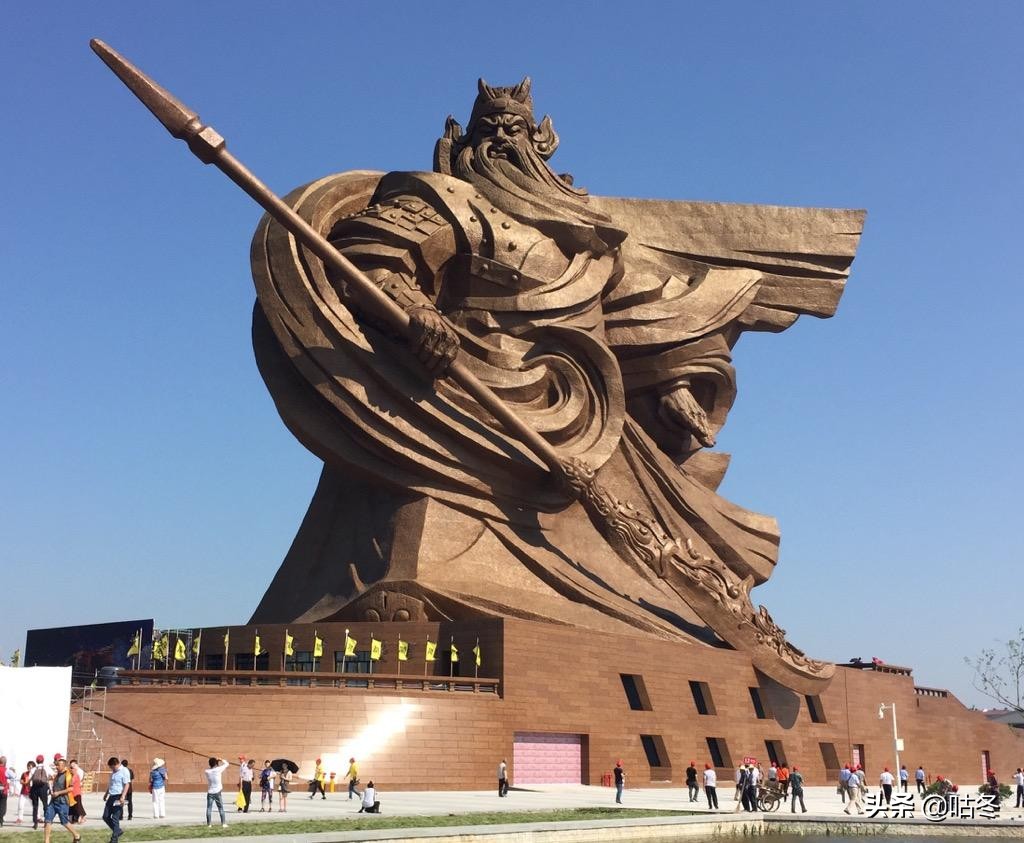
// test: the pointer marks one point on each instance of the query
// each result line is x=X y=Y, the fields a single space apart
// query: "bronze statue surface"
x=605 y=324
x=513 y=385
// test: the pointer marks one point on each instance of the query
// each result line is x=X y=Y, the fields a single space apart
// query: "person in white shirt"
x=711 y=786
x=886 y=780
x=503 y=778
x=214 y=789
x=371 y=805
x=1018 y=777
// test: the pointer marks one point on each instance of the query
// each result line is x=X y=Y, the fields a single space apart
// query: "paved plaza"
x=190 y=808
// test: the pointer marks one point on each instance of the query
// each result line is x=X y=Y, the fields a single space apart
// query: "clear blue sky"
x=143 y=468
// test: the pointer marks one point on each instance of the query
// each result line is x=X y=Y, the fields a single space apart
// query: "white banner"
x=35 y=706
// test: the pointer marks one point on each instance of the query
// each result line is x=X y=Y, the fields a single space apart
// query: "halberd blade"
x=168 y=109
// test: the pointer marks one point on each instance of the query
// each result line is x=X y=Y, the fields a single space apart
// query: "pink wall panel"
x=547 y=758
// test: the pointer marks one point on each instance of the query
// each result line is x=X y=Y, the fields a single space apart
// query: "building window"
x=759 y=709
x=776 y=754
x=246 y=661
x=702 y=697
x=359 y=663
x=657 y=757
x=830 y=758
x=814 y=709
x=719 y=752
x=636 y=692
x=301 y=662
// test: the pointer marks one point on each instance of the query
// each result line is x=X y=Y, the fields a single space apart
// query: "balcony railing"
x=290 y=678
x=930 y=692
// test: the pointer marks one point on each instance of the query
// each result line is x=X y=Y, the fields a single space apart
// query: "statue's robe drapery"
x=423 y=494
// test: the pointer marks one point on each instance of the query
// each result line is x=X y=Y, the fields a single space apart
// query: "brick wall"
x=553 y=679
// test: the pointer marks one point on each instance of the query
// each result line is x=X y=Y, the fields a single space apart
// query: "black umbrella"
x=279 y=764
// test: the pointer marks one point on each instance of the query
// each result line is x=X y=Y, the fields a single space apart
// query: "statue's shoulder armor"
x=456 y=201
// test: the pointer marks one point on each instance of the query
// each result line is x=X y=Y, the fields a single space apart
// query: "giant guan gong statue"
x=514 y=386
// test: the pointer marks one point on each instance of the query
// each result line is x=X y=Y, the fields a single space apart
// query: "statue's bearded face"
x=504 y=136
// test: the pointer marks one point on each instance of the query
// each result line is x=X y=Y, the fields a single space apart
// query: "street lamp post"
x=895 y=735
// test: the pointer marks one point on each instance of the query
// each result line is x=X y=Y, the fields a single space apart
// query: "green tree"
x=999 y=673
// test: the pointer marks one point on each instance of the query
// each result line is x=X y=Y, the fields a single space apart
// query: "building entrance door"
x=547 y=758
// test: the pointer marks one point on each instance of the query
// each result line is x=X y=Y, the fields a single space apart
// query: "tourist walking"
x=919 y=778
x=129 y=802
x=711 y=786
x=750 y=790
x=59 y=803
x=503 y=778
x=215 y=790
x=25 y=790
x=286 y=788
x=76 y=807
x=1018 y=779
x=370 y=803
x=904 y=778
x=691 y=781
x=4 y=789
x=844 y=782
x=886 y=780
x=246 y=772
x=738 y=778
x=40 y=790
x=620 y=781
x=784 y=779
x=13 y=787
x=267 y=775
x=854 y=788
x=317 y=785
x=796 y=784
x=352 y=774
x=113 y=802
x=158 y=788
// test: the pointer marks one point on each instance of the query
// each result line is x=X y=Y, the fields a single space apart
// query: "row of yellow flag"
x=161 y=647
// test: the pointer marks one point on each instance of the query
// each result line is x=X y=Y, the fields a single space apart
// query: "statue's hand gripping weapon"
x=714 y=591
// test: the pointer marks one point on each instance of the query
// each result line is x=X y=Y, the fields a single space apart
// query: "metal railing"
x=930 y=692
x=291 y=678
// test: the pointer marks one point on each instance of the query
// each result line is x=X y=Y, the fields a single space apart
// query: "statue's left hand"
x=432 y=339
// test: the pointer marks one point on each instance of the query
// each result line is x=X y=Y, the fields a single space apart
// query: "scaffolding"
x=85 y=729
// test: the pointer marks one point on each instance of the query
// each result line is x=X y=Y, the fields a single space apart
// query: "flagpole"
x=316 y=635
x=425 y=655
x=371 y=654
x=451 y=661
x=476 y=661
x=227 y=642
x=344 y=652
x=399 y=653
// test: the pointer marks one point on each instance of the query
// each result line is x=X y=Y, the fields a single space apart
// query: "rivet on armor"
x=511 y=246
x=484 y=267
x=506 y=224
x=472 y=219
x=451 y=189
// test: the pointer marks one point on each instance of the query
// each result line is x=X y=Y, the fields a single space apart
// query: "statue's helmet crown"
x=515 y=99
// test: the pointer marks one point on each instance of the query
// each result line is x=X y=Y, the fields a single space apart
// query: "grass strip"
x=92 y=834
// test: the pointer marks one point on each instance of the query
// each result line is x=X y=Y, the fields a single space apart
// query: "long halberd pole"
x=210 y=148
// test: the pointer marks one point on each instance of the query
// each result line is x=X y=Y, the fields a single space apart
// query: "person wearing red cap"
x=691 y=781
x=620 y=781
x=887 y=780
x=40 y=789
x=317 y=785
x=711 y=786
x=796 y=787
